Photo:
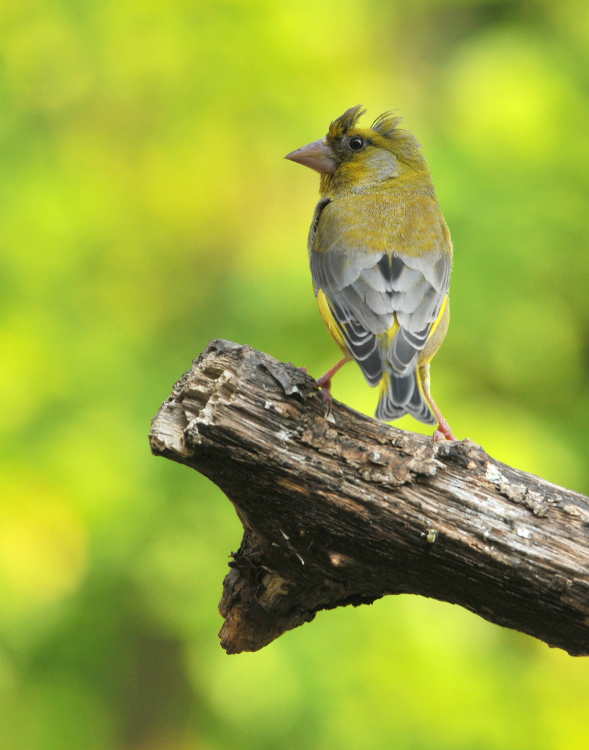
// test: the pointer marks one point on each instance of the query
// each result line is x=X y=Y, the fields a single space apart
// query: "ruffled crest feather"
x=386 y=124
x=348 y=120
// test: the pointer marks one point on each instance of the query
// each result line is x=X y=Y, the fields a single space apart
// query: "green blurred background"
x=145 y=208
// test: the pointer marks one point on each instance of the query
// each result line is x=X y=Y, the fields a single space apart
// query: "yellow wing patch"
x=437 y=323
x=392 y=332
x=330 y=322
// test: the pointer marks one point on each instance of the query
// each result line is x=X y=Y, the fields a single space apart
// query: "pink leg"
x=324 y=382
x=443 y=430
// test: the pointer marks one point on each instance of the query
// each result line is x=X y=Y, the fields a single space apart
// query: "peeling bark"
x=344 y=509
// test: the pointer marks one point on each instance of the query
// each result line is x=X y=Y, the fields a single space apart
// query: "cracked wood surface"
x=345 y=510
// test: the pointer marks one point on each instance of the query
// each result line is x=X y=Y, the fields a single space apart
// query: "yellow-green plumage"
x=381 y=257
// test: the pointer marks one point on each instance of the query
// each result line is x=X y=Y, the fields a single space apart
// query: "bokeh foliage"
x=145 y=209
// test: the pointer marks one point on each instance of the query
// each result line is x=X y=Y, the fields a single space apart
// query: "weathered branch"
x=346 y=510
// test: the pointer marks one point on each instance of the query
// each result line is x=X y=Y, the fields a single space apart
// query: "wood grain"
x=344 y=509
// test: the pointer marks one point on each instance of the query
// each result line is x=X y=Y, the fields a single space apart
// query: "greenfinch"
x=381 y=257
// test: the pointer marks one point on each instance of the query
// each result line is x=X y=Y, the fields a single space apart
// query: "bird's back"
x=381 y=267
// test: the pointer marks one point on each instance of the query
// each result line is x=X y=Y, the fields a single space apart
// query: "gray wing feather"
x=420 y=306
x=367 y=293
x=407 y=280
x=359 y=311
x=379 y=302
x=438 y=274
x=375 y=280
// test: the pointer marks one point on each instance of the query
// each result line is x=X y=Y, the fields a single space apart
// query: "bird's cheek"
x=383 y=165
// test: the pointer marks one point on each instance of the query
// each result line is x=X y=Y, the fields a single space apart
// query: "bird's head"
x=353 y=160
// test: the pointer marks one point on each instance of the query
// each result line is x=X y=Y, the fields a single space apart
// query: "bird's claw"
x=327 y=400
x=325 y=385
x=444 y=433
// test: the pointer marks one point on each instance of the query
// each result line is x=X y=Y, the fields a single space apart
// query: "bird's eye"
x=357 y=143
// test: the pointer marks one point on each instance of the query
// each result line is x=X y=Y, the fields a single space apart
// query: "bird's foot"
x=328 y=401
x=444 y=432
x=324 y=383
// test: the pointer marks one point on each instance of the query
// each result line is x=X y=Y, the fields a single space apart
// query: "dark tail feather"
x=400 y=395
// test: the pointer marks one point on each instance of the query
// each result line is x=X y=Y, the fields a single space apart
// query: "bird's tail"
x=403 y=394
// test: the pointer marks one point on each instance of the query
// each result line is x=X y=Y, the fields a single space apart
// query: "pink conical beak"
x=317 y=155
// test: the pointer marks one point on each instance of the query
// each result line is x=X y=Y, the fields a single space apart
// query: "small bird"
x=381 y=257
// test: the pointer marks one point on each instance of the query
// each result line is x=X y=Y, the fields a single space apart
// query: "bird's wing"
x=373 y=289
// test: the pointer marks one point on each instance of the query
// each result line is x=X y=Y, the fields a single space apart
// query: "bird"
x=381 y=256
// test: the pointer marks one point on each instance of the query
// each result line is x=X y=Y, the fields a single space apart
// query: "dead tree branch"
x=346 y=510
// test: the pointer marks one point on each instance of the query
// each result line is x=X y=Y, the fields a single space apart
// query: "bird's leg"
x=443 y=431
x=324 y=382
